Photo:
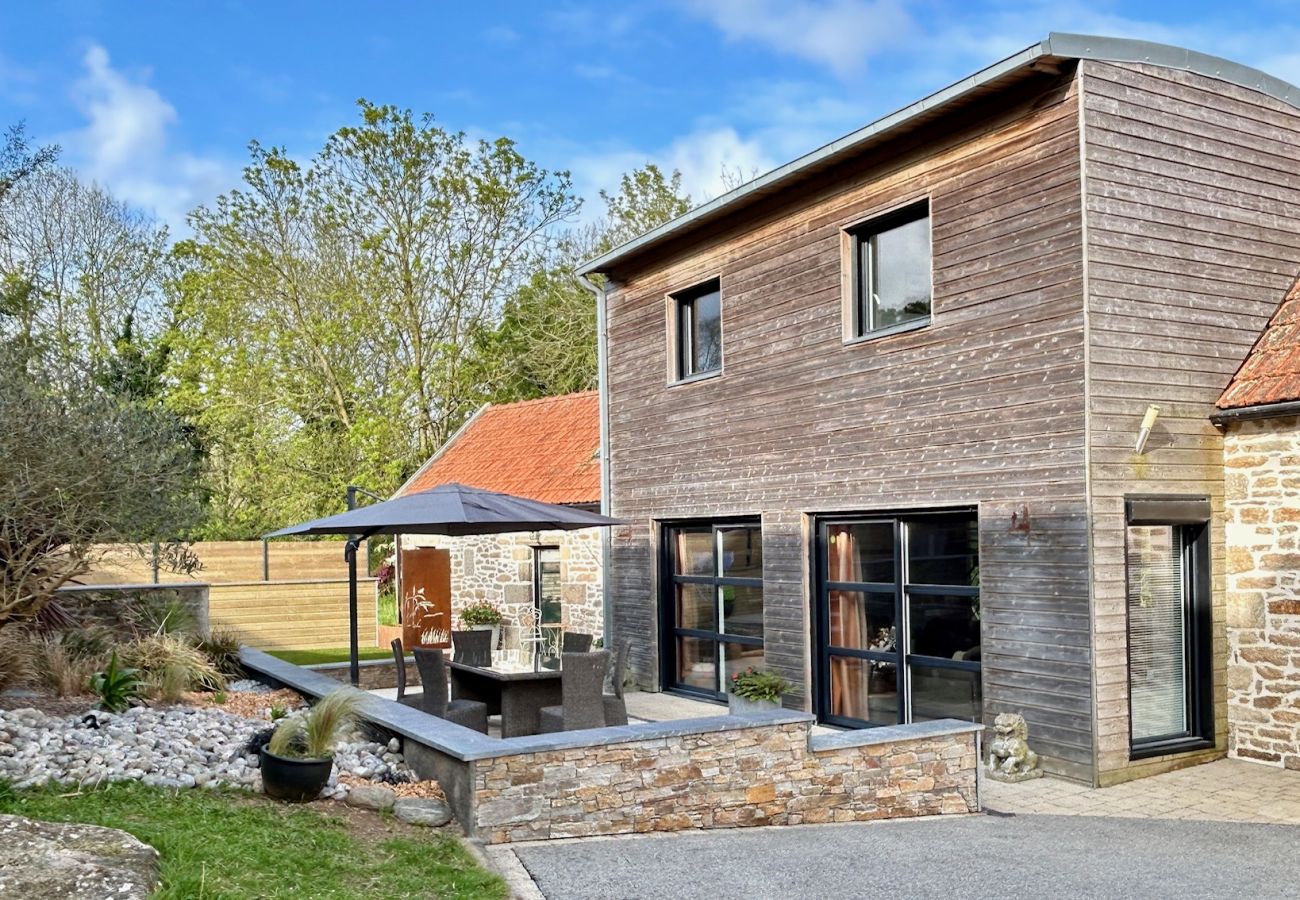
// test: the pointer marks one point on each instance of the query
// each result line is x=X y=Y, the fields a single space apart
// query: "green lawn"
x=329 y=655
x=218 y=844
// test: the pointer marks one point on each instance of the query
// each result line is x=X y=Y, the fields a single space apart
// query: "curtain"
x=849 y=677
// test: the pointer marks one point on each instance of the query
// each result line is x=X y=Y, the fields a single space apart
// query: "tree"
x=19 y=161
x=327 y=311
x=545 y=343
x=78 y=468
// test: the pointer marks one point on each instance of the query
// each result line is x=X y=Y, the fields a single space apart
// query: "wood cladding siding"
x=1193 y=224
x=985 y=407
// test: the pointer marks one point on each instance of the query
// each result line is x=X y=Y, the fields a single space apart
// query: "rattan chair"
x=474 y=648
x=616 y=704
x=415 y=700
x=433 y=675
x=582 y=689
x=575 y=642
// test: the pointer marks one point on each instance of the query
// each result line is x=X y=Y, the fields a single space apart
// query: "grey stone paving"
x=1018 y=856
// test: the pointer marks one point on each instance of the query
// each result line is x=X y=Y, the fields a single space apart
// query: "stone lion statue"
x=1010 y=758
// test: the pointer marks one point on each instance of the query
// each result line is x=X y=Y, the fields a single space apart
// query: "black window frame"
x=668 y=628
x=860 y=238
x=900 y=589
x=1193 y=538
x=685 y=331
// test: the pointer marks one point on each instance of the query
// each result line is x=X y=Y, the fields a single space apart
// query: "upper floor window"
x=698 y=330
x=891 y=284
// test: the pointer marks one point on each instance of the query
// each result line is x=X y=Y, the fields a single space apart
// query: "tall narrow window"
x=714 y=604
x=892 y=281
x=1168 y=631
x=698 y=315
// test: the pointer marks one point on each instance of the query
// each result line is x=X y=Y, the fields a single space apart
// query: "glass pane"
x=707 y=340
x=696 y=663
x=742 y=610
x=862 y=621
x=864 y=689
x=548 y=584
x=900 y=274
x=944 y=626
x=943 y=550
x=696 y=607
x=945 y=694
x=1157 y=633
x=739 y=657
x=860 y=552
x=742 y=552
x=693 y=551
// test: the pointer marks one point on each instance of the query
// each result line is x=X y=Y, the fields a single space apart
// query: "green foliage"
x=170 y=664
x=313 y=734
x=387 y=608
x=64 y=664
x=228 y=844
x=219 y=698
x=221 y=647
x=116 y=686
x=480 y=613
x=755 y=684
x=278 y=712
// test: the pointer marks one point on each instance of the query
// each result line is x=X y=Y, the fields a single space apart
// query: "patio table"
x=517 y=692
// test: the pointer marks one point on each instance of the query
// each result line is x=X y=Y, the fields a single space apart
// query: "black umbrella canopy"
x=451 y=509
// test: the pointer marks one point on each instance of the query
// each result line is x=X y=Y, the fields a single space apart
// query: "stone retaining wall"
x=759 y=774
x=376 y=674
x=1262 y=509
x=124 y=609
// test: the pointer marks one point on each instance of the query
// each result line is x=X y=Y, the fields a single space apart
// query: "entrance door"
x=712 y=605
x=897 y=619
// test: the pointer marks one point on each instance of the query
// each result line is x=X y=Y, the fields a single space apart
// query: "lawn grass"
x=224 y=844
x=329 y=655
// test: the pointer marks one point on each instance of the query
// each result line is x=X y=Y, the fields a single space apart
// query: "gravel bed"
x=175 y=747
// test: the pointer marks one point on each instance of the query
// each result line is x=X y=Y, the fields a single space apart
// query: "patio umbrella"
x=450 y=509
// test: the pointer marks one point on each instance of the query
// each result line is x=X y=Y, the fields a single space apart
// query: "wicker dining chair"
x=582 y=689
x=616 y=703
x=399 y=658
x=433 y=675
x=575 y=642
x=474 y=648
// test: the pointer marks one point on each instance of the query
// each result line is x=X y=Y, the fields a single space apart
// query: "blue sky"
x=159 y=100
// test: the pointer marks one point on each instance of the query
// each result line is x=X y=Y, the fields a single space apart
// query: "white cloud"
x=839 y=34
x=126 y=144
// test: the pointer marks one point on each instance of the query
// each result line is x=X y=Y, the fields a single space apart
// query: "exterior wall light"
x=1144 y=433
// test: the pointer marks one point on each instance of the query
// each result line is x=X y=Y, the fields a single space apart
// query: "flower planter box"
x=739 y=706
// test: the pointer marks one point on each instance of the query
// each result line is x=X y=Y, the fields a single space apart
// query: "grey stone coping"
x=890 y=734
x=363 y=664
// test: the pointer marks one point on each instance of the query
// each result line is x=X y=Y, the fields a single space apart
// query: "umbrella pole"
x=354 y=667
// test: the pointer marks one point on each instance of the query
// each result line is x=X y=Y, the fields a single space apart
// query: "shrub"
x=314 y=734
x=480 y=613
x=170 y=664
x=160 y=614
x=90 y=640
x=15 y=657
x=62 y=668
x=116 y=686
x=221 y=647
x=753 y=684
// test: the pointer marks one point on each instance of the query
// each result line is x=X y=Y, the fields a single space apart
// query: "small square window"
x=698 y=330
x=891 y=273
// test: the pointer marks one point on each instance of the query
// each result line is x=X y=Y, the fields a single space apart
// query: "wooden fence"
x=274 y=615
x=225 y=562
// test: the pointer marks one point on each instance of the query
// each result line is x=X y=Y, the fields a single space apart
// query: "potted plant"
x=298 y=759
x=754 y=691
x=482 y=616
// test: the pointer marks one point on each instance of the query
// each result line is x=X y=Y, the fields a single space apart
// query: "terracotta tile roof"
x=545 y=449
x=1270 y=372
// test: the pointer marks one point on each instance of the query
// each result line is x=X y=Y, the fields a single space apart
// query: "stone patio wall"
x=1262 y=512
x=758 y=774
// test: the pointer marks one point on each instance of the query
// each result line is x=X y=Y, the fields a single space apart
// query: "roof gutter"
x=1055 y=47
x=1225 y=417
x=597 y=289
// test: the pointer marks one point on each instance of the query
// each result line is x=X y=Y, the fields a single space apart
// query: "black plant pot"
x=295 y=780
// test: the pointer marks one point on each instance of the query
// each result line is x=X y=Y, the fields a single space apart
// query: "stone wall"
x=724 y=777
x=498 y=568
x=1262 y=510
x=128 y=608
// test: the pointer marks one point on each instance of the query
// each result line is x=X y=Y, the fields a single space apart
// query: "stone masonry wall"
x=1262 y=509
x=499 y=568
x=762 y=775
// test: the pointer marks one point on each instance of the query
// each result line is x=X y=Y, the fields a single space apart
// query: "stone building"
x=1260 y=414
x=545 y=450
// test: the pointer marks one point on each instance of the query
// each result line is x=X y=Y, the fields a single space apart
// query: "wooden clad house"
x=875 y=417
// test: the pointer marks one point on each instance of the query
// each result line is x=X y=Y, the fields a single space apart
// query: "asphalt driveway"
x=1022 y=856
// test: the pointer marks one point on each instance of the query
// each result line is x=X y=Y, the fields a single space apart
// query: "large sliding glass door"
x=713 y=604
x=897 y=619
